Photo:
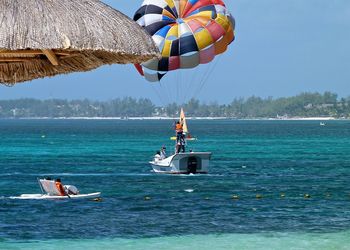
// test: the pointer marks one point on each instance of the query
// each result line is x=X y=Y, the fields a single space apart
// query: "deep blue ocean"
x=290 y=181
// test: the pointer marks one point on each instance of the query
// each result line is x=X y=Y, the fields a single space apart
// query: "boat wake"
x=198 y=175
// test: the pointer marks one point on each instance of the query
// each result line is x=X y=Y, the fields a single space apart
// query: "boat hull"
x=49 y=197
x=183 y=163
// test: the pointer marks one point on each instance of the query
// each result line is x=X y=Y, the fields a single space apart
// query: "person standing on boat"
x=179 y=130
x=60 y=187
x=163 y=153
x=181 y=144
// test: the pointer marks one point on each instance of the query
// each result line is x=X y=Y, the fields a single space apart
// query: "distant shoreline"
x=172 y=118
x=305 y=106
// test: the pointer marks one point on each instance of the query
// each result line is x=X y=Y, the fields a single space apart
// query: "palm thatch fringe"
x=40 y=38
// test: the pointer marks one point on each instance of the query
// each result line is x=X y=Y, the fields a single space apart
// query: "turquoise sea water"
x=280 y=161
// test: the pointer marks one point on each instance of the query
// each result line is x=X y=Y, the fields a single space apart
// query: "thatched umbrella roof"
x=40 y=38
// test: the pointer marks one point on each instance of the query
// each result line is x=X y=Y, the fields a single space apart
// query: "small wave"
x=189 y=190
x=190 y=175
x=105 y=174
x=199 y=175
x=215 y=175
x=74 y=174
x=10 y=174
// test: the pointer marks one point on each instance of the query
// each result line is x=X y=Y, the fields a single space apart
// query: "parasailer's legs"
x=181 y=144
x=183 y=149
x=178 y=136
x=177 y=148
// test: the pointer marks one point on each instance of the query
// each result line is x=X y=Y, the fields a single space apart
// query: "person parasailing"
x=181 y=144
x=179 y=130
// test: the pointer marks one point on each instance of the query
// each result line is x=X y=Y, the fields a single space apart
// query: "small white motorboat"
x=50 y=192
x=185 y=162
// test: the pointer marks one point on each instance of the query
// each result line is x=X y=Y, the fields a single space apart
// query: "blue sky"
x=282 y=48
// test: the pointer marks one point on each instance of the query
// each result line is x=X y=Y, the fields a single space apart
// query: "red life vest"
x=179 y=128
x=60 y=188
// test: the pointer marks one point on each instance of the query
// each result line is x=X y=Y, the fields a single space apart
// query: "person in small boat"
x=179 y=130
x=60 y=187
x=157 y=156
x=163 y=153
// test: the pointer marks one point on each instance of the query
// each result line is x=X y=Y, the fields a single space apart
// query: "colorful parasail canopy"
x=187 y=32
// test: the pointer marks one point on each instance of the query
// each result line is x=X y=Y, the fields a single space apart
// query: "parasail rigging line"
x=154 y=88
x=206 y=77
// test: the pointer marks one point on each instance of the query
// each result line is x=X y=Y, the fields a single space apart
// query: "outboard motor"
x=192 y=165
x=71 y=190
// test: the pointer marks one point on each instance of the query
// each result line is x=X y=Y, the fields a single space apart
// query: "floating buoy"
x=259 y=196
x=235 y=197
x=283 y=195
x=147 y=198
x=307 y=196
x=43 y=136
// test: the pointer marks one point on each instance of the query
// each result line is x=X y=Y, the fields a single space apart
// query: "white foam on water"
x=189 y=190
x=271 y=241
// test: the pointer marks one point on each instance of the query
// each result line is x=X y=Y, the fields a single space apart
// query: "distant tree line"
x=303 y=105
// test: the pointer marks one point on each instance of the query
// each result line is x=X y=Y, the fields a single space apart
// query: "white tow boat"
x=185 y=162
x=50 y=192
